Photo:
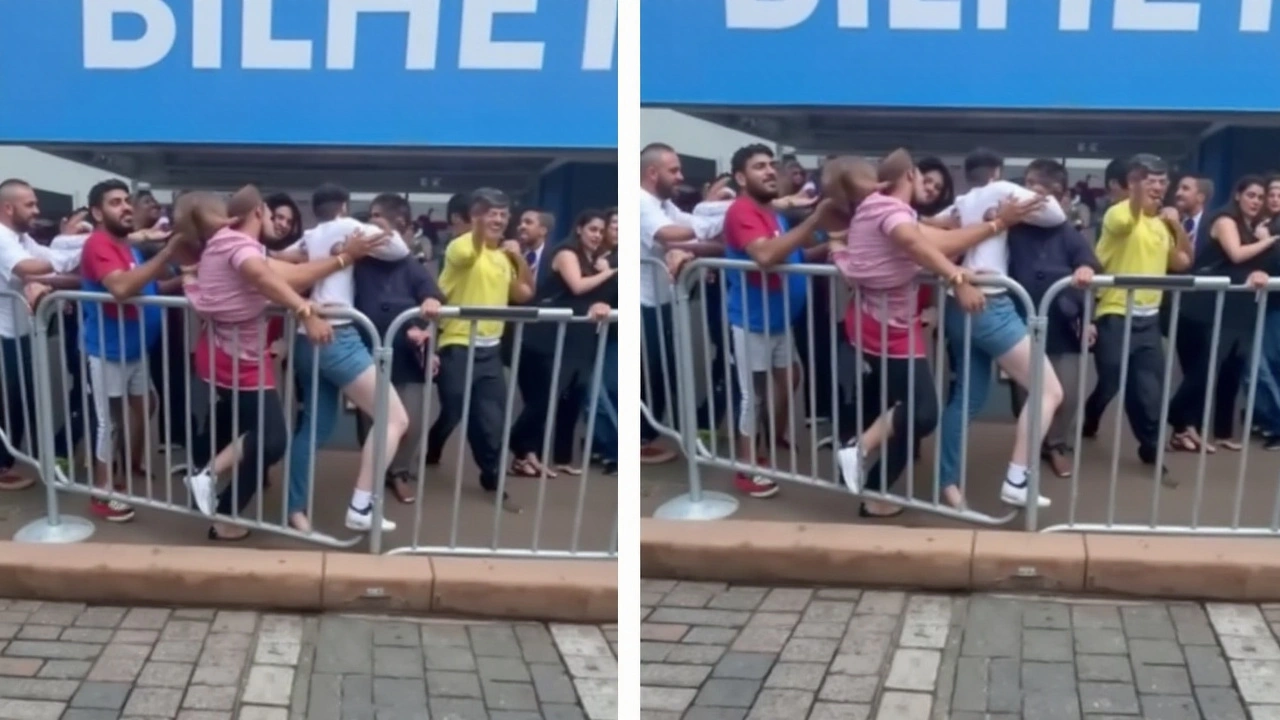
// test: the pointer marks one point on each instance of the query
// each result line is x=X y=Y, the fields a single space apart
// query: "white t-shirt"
x=655 y=214
x=15 y=320
x=338 y=289
x=991 y=256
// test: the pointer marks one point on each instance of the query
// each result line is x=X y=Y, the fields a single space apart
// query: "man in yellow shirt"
x=481 y=269
x=1137 y=238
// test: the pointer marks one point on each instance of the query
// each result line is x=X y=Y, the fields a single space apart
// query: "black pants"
x=1144 y=382
x=895 y=376
x=815 y=352
x=534 y=381
x=169 y=364
x=1186 y=408
x=486 y=418
x=237 y=411
x=658 y=370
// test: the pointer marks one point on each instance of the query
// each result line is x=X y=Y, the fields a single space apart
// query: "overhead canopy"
x=824 y=131
x=293 y=168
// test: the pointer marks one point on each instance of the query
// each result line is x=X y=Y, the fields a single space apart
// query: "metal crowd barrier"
x=1157 y=499
x=658 y=354
x=542 y=365
x=17 y=391
x=822 y=350
x=706 y=368
x=194 y=426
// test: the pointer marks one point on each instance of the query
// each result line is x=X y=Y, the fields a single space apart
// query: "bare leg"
x=361 y=392
x=1017 y=363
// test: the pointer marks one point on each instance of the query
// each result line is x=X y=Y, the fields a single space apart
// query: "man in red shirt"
x=762 y=307
x=116 y=337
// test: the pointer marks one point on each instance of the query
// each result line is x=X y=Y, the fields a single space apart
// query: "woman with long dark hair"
x=937 y=189
x=1229 y=247
x=286 y=221
x=583 y=279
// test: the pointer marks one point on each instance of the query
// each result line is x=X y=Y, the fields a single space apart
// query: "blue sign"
x=1188 y=55
x=451 y=73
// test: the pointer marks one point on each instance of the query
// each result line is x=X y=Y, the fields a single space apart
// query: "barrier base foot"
x=712 y=506
x=70 y=529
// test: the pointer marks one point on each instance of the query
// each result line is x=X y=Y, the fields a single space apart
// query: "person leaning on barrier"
x=385 y=289
x=1267 y=411
x=115 y=337
x=1231 y=249
x=28 y=270
x=885 y=249
x=996 y=337
x=480 y=270
x=1137 y=238
x=343 y=368
x=582 y=279
x=230 y=286
x=1038 y=258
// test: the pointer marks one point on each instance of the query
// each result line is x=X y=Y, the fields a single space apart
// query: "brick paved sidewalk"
x=711 y=652
x=70 y=662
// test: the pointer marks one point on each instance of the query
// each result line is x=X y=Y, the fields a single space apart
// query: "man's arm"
x=522 y=285
x=125 y=284
x=744 y=230
x=678 y=228
x=393 y=249
x=1050 y=214
x=1181 y=253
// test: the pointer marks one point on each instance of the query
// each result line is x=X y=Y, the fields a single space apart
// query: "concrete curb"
x=526 y=589
x=759 y=552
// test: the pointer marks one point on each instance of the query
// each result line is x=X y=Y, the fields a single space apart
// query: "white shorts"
x=111 y=380
x=757 y=353
x=115 y=379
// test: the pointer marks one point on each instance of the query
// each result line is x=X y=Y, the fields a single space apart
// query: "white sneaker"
x=203 y=488
x=850 y=461
x=362 y=520
x=1017 y=495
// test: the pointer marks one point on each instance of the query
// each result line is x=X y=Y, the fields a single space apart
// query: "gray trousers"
x=1062 y=431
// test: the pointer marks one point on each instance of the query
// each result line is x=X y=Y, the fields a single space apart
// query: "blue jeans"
x=995 y=331
x=1267 y=406
x=338 y=364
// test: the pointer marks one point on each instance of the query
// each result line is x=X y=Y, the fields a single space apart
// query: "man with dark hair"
x=763 y=347
x=1191 y=198
x=480 y=270
x=341 y=368
x=115 y=336
x=998 y=334
x=385 y=289
x=1038 y=258
x=1138 y=238
x=28 y=270
x=535 y=228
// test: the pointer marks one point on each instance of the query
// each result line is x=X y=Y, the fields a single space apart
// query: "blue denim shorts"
x=341 y=361
x=996 y=330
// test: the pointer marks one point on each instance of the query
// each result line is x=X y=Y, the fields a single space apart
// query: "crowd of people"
x=245 y=263
x=883 y=224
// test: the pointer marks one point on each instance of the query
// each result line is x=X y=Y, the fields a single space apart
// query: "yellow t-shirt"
x=476 y=277
x=1132 y=246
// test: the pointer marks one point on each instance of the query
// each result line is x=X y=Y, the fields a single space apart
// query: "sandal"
x=216 y=536
x=11 y=481
x=863 y=512
x=1231 y=445
x=1186 y=442
x=568 y=470
x=401 y=484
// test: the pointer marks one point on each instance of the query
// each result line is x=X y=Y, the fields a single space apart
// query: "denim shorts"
x=341 y=361
x=996 y=330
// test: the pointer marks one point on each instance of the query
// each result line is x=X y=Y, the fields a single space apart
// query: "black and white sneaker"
x=362 y=520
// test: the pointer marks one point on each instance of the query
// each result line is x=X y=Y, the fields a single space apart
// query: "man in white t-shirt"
x=998 y=334
x=343 y=367
x=27 y=271
x=663 y=227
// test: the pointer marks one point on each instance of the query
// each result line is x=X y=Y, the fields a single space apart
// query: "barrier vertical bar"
x=54 y=528
x=378 y=434
x=695 y=504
